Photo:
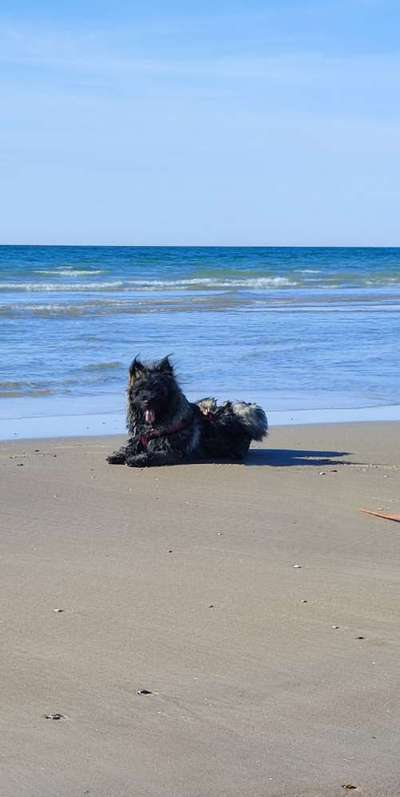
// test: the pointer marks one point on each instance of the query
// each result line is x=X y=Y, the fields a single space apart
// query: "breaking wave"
x=69 y=272
x=304 y=279
x=142 y=284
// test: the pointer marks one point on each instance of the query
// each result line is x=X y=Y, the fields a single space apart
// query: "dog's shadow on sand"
x=288 y=457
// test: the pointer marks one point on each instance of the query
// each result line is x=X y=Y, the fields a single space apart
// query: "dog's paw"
x=137 y=461
x=116 y=458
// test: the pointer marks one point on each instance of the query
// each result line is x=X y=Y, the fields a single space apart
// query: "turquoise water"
x=297 y=328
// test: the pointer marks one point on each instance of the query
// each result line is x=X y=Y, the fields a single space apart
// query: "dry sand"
x=266 y=679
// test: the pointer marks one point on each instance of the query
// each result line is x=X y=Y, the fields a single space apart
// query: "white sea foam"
x=214 y=282
x=38 y=308
x=61 y=287
x=69 y=272
x=96 y=307
x=196 y=283
x=206 y=282
x=309 y=271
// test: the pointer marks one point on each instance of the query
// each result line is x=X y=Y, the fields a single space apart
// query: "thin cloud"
x=87 y=53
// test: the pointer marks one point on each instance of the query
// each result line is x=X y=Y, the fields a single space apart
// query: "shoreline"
x=107 y=424
x=192 y=624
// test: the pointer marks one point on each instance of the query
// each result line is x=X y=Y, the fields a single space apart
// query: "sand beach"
x=209 y=191
x=203 y=630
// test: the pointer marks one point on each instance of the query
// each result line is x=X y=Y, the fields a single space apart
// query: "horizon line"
x=203 y=246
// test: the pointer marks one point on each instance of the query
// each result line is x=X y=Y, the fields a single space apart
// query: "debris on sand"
x=383 y=515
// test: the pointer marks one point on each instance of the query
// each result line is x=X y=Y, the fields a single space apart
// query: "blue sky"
x=200 y=123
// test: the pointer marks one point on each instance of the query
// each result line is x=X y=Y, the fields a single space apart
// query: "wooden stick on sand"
x=382 y=514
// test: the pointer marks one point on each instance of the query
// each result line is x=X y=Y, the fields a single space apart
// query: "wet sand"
x=255 y=603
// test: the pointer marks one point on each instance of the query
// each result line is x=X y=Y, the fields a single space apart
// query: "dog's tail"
x=253 y=418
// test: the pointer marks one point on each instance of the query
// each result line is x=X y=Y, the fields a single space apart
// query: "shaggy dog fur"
x=166 y=429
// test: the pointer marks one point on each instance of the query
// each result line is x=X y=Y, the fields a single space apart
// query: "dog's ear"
x=135 y=368
x=165 y=366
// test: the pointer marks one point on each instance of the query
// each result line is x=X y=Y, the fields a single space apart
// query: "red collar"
x=145 y=438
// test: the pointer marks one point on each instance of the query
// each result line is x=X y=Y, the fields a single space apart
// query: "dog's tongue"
x=149 y=416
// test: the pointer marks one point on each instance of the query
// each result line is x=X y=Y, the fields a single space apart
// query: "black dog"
x=166 y=429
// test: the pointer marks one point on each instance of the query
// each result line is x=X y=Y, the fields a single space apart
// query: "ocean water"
x=297 y=329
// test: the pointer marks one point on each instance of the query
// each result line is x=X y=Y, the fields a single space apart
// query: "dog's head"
x=151 y=389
